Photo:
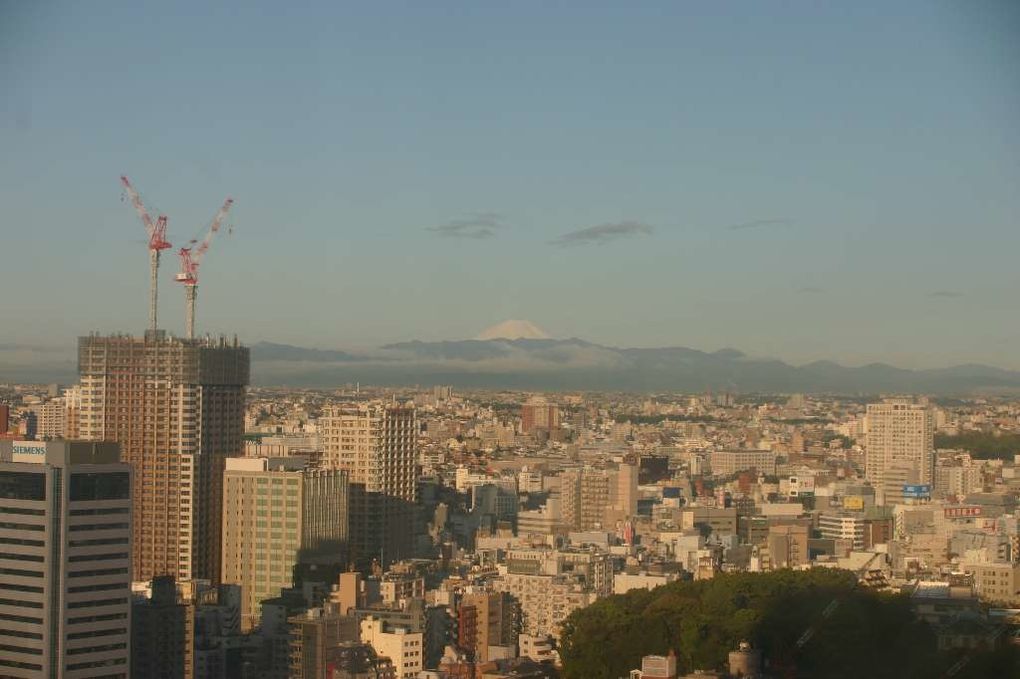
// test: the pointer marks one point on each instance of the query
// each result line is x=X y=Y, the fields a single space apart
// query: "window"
x=23 y=485
x=108 y=486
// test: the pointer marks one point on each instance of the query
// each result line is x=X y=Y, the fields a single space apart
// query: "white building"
x=403 y=647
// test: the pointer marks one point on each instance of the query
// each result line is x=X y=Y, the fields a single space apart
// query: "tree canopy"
x=853 y=632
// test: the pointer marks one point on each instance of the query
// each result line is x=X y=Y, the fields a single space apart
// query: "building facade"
x=176 y=407
x=277 y=512
x=900 y=447
x=65 y=558
x=376 y=443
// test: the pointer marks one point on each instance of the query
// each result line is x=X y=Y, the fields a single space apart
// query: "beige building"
x=404 y=648
x=997 y=582
x=65 y=556
x=548 y=585
x=788 y=546
x=277 y=511
x=176 y=407
x=376 y=443
x=900 y=447
x=598 y=498
x=727 y=462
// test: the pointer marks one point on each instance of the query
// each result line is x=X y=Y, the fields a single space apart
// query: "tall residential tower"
x=900 y=447
x=377 y=444
x=176 y=407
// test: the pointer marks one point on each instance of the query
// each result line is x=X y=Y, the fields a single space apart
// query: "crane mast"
x=191 y=257
x=156 y=232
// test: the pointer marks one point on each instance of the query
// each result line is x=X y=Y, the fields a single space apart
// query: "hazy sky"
x=788 y=179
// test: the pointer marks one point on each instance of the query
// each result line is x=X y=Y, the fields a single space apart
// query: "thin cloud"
x=759 y=224
x=602 y=234
x=810 y=290
x=945 y=294
x=477 y=226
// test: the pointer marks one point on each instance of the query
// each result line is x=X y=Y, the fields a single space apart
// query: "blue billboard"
x=917 y=491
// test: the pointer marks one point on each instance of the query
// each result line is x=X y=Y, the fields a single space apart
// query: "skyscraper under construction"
x=176 y=407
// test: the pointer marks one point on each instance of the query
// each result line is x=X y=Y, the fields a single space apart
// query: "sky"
x=799 y=180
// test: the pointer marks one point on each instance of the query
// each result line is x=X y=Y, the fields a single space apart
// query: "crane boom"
x=136 y=200
x=157 y=242
x=190 y=258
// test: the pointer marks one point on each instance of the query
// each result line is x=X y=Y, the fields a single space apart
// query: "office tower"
x=900 y=447
x=277 y=512
x=162 y=633
x=177 y=409
x=537 y=413
x=5 y=418
x=65 y=543
x=376 y=443
x=845 y=527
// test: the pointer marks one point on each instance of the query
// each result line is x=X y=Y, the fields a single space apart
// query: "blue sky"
x=871 y=149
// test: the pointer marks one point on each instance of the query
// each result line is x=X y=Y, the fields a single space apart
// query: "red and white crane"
x=157 y=243
x=191 y=257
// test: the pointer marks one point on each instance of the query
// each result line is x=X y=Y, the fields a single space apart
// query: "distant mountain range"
x=552 y=364
x=576 y=364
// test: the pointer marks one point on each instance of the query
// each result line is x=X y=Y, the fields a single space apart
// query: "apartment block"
x=376 y=443
x=176 y=407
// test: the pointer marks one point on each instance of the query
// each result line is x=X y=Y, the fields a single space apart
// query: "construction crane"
x=157 y=243
x=191 y=257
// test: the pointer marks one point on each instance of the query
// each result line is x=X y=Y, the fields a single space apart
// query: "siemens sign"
x=28 y=451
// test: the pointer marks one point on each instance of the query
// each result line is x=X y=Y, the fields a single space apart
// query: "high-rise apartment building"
x=176 y=407
x=51 y=419
x=598 y=498
x=277 y=512
x=900 y=447
x=65 y=543
x=376 y=443
x=539 y=414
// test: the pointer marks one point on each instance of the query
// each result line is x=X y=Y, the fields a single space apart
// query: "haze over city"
x=795 y=181
x=527 y=340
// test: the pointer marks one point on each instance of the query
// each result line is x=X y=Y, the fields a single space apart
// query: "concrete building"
x=404 y=648
x=313 y=634
x=537 y=414
x=996 y=582
x=65 y=557
x=376 y=443
x=486 y=625
x=727 y=462
x=550 y=584
x=277 y=512
x=900 y=447
x=843 y=526
x=788 y=546
x=176 y=407
x=51 y=419
x=162 y=633
x=598 y=498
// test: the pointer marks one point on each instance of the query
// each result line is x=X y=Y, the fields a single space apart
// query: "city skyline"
x=755 y=178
